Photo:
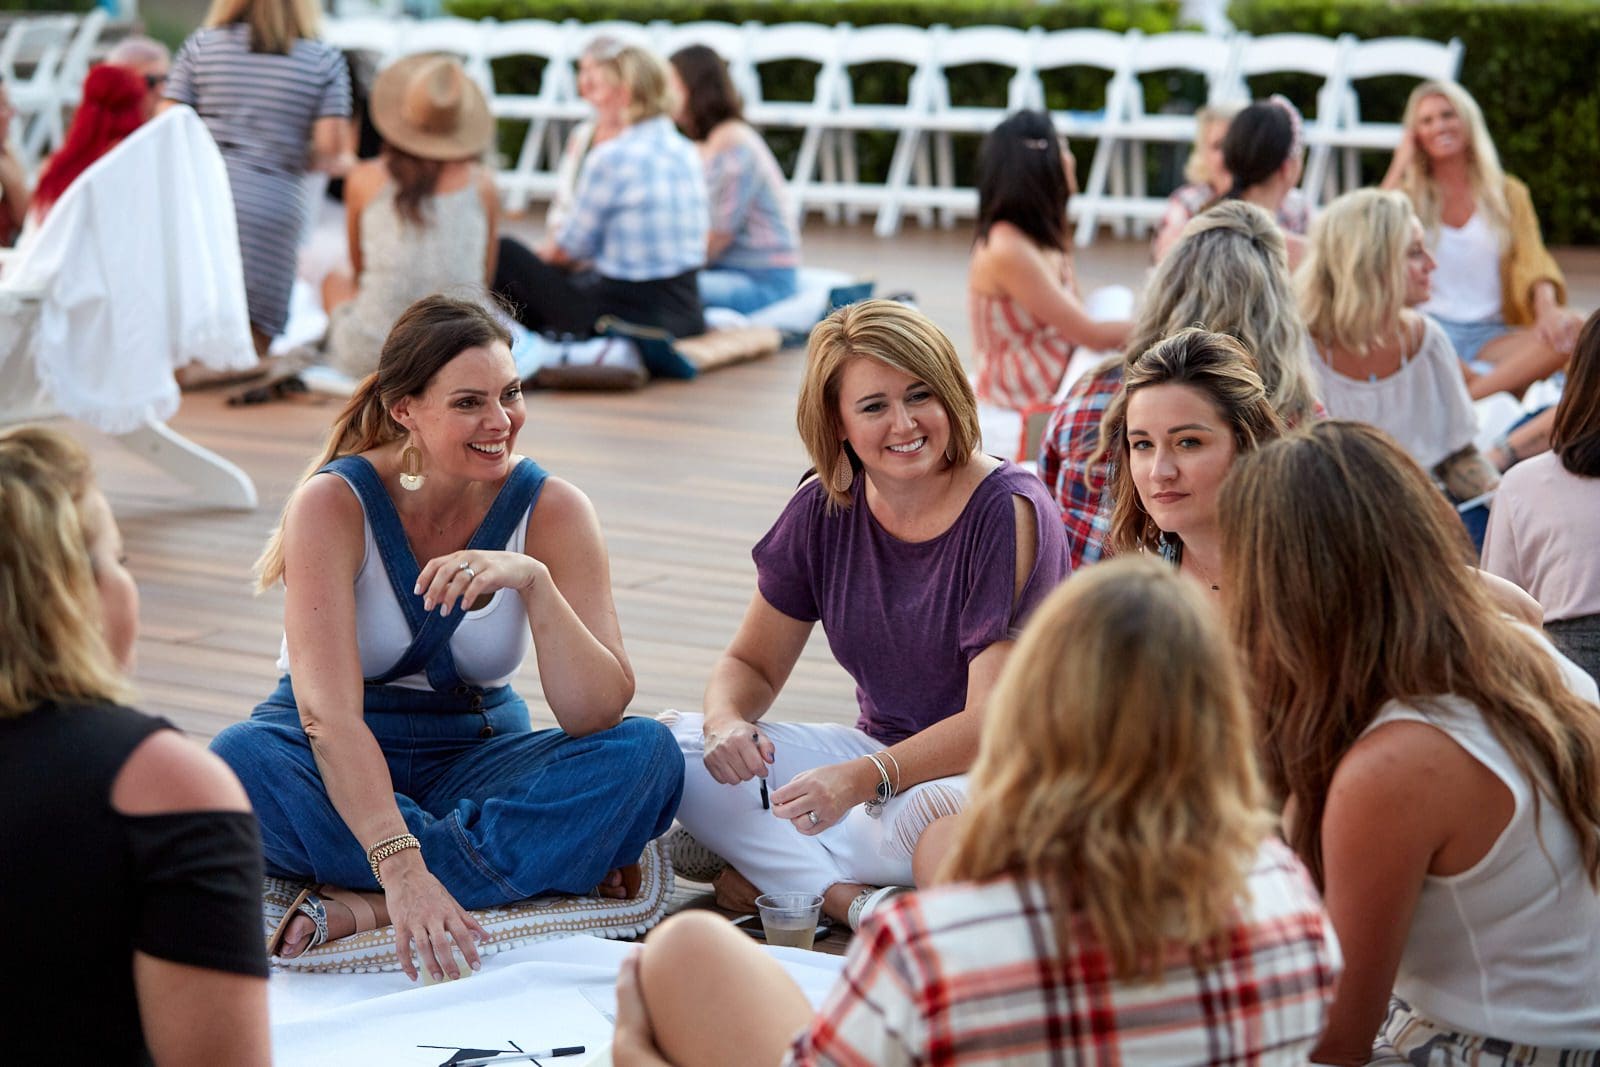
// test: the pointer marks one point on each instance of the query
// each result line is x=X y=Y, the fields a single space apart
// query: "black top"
x=82 y=886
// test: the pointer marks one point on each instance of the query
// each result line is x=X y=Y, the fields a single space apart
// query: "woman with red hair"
x=112 y=108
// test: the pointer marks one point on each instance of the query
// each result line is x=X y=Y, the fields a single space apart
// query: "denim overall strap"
x=431 y=632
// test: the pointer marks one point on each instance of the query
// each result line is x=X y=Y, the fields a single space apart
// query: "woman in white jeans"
x=921 y=557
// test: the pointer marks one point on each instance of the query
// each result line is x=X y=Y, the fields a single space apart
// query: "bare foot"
x=735 y=892
x=341 y=923
x=621 y=883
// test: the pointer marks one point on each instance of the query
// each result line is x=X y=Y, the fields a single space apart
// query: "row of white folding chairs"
x=830 y=117
x=55 y=51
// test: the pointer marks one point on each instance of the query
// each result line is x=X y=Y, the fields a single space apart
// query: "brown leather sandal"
x=310 y=903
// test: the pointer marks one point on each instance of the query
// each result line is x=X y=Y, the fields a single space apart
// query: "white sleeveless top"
x=1466 y=283
x=488 y=646
x=1510 y=948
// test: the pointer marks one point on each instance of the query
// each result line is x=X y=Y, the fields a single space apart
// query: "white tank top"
x=1466 y=284
x=1510 y=948
x=488 y=646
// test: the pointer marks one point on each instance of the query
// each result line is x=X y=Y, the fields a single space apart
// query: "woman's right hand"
x=424 y=913
x=1405 y=155
x=735 y=750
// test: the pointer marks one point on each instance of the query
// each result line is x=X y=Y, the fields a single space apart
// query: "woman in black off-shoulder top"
x=130 y=864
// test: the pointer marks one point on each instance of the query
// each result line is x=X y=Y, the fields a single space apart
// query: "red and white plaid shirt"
x=971 y=974
x=1070 y=438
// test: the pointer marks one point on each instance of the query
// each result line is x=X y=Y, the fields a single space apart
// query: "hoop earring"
x=844 y=475
x=411 y=476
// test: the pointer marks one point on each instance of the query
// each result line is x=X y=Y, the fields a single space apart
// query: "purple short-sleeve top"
x=906 y=618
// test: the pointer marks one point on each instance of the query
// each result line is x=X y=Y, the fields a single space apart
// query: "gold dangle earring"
x=411 y=476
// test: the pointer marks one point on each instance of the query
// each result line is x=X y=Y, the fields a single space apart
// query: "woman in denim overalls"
x=393 y=754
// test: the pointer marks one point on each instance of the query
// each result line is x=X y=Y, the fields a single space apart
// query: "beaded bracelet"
x=390 y=846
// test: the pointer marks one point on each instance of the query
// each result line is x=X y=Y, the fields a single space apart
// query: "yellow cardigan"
x=1526 y=261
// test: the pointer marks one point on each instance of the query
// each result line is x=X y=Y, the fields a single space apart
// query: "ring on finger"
x=465 y=566
x=811 y=818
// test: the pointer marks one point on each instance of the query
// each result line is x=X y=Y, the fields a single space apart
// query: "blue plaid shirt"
x=640 y=210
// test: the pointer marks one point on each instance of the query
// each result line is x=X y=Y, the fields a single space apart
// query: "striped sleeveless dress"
x=260 y=107
x=1020 y=359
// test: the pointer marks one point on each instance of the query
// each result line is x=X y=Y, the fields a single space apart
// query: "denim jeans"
x=747 y=290
x=500 y=818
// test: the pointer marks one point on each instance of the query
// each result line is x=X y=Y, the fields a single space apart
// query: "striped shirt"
x=640 y=210
x=259 y=106
x=750 y=200
x=968 y=974
x=1020 y=359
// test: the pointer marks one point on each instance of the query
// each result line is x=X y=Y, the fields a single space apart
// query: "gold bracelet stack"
x=390 y=846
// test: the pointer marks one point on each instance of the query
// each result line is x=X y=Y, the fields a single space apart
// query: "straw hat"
x=427 y=106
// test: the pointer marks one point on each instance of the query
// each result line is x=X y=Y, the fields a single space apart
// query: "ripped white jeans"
x=771 y=853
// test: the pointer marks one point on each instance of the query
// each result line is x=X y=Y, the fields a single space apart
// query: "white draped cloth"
x=136 y=271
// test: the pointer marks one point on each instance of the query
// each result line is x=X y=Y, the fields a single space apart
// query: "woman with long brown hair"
x=1115 y=892
x=1188 y=407
x=1387 y=682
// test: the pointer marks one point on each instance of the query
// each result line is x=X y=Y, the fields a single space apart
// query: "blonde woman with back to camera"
x=133 y=862
x=1114 y=892
x=1388 y=681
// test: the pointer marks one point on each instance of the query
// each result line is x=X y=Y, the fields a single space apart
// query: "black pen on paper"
x=547 y=1054
x=766 y=805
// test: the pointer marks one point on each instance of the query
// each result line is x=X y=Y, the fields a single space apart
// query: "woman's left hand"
x=634 y=1042
x=816 y=799
x=458 y=578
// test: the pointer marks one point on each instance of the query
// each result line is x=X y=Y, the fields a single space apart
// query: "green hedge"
x=977 y=85
x=1530 y=65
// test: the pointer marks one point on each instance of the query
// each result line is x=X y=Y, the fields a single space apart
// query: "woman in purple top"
x=921 y=557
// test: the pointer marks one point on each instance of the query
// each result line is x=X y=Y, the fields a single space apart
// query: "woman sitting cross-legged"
x=1114 y=893
x=921 y=557
x=753 y=254
x=636 y=234
x=421 y=218
x=419 y=557
x=1378 y=361
x=133 y=864
x=1388 y=684
x=1189 y=407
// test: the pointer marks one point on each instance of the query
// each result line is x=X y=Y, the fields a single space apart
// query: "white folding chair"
x=1412 y=57
x=534 y=173
x=1109 y=53
x=41 y=42
x=807 y=42
x=1299 y=53
x=380 y=36
x=75 y=60
x=1182 y=52
x=1005 y=47
x=466 y=39
x=906 y=46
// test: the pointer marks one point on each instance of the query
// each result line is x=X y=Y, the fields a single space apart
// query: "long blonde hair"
x=1196 y=168
x=1352 y=587
x=275 y=25
x=426 y=336
x=1483 y=162
x=1117 y=769
x=51 y=642
x=1352 y=284
x=897 y=336
x=1229 y=273
x=1218 y=366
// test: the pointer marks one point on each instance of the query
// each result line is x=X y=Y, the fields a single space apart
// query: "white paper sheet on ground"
x=543 y=995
